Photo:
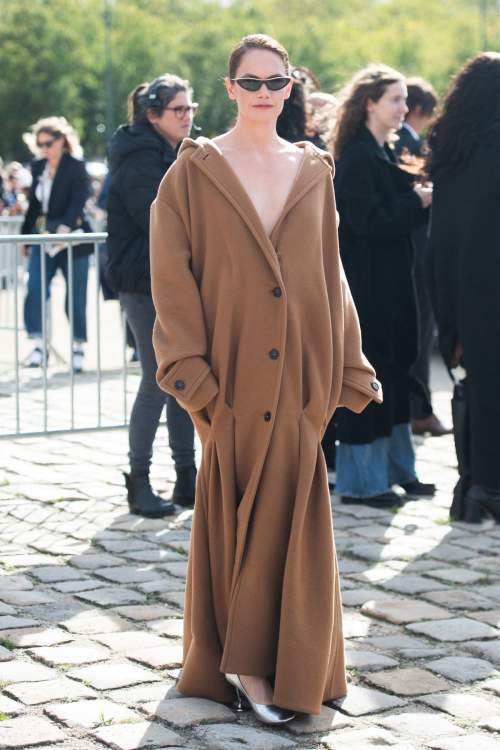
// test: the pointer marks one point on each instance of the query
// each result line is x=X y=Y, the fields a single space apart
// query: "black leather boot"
x=142 y=500
x=481 y=502
x=185 y=486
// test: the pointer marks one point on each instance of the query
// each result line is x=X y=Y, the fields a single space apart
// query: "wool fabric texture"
x=258 y=338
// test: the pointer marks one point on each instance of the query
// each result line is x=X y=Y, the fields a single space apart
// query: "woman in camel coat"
x=258 y=338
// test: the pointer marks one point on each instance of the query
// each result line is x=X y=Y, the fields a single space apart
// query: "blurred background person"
x=379 y=208
x=464 y=268
x=292 y=122
x=422 y=101
x=161 y=115
x=58 y=194
x=322 y=116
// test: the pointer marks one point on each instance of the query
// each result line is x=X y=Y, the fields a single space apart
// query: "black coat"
x=464 y=284
x=407 y=140
x=378 y=212
x=70 y=191
x=138 y=159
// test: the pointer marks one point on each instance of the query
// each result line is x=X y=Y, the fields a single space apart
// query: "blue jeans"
x=150 y=399
x=371 y=469
x=33 y=301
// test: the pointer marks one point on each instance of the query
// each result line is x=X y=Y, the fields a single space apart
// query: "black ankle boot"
x=142 y=500
x=185 y=486
x=482 y=502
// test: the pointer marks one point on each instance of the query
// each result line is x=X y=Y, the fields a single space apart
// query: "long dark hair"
x=470 y=110
x=291 y=123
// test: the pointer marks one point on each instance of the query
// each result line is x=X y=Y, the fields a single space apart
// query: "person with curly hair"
x=464 y=268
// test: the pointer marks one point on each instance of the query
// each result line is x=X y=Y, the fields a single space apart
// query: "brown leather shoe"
x=430 y=426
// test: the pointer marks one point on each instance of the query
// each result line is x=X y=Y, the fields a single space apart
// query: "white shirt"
x=44 y=189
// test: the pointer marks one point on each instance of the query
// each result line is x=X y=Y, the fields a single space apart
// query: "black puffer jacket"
x=138 y=158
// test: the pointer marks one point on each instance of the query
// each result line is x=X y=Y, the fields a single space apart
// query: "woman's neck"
x=379 y=131
x=252 y=136
x=54 y=162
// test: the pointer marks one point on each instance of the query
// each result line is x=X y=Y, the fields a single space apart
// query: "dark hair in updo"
x=257 y=41
x=154 y=97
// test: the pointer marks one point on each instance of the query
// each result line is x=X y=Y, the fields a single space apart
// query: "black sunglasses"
x=254 y=84
x=46 y=144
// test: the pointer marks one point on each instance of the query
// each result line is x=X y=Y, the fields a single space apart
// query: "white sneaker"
x=35 y=359
x=77 y=360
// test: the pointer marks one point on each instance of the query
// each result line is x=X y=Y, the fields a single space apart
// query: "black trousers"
x=421 y=409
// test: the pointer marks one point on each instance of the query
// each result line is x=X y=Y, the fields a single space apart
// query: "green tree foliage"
x=52 y=58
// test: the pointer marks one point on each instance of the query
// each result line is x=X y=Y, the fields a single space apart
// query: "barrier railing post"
x=124 y=327
x=43 y=282
x=16 y=342
x=72 y=332
x=98 y=331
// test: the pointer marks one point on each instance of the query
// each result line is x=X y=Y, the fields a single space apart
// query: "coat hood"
x=130 y=138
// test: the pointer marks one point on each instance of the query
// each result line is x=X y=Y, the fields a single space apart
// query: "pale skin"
x=172 y=128
x=267 y=167
x=418 y=120
x=387 y=115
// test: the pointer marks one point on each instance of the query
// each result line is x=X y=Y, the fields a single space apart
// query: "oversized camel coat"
x=258 y=338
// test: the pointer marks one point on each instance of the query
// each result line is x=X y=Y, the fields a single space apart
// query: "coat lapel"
x=57 y=178
x=210 y=160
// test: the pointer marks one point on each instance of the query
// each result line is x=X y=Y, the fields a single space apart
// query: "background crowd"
x=397 y=153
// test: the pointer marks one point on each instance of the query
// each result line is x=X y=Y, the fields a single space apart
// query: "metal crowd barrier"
x=13 y=281
x=9 y=225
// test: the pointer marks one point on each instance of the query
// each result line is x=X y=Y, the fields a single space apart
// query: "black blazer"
x=69 y=194
x=378 y=211
x=406 y=140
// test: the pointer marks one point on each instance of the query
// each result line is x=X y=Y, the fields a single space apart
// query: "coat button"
x=277 y=291
x=274 y=354
x=179 y=385
x=375 y=386
x=267 y=416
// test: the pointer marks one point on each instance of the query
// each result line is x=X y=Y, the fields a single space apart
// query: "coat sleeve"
x=34 y=203
x=359 y=384
x=78 y=194
x=363 y=209
x=179 y=335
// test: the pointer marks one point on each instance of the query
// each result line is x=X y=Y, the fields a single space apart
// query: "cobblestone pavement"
x=91 y=602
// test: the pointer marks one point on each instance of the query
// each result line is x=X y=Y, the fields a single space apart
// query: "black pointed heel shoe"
x=267 y=714
x=482 y=502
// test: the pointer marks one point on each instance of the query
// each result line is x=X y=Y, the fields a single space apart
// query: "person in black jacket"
x=422 y=101
x=379 y=207
x=139 y=155
x=58 y=194
x=464 y=266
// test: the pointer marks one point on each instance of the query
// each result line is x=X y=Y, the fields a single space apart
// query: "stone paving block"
x=14 y=583
x=73 y=587
x=60 y=689
x=186 y=712
x=328 y=719
x=450 y=553
x=489 y=651
x=145 y=612
x=92 y=623
x=360 y=701
x=367 y=660
x=26 y=598
x=177 y=569
x=492 y=617
x=172 y=628
x=57 y=612
x=462 y=668
x=393 y=642
x=163 y=657
x=8 y=622
x=475 y=741
x=110 y=676
x=456 y=629
x=26 y=561
x=492 y=591
x=156 y=555
x=174 y=597
x=18 y=734
x=9 y=708
x=145 y=693
x=138 y=735
x=6 y=609
x=5 y=654
x=22 y=671
x=459 y=599
x=455 y=575
x=422 y=653
x=493 y=685
x=350 y=566
x=411 y=681
x=236 y=737
x=106 y=596
x=419 y=724
x=382 y=552
x=134 y=639
x=56 y=574
x=126 y=574
x=364 y=739
x=89 y=713
x=412 y=585
x=484 y=563
x=29 y=637
x=161 y=587
x=93 y=561
x=404 y=610
x=462 y=705
x=74 y=655
x=491 y=723
x=356 y=625
x=358 y=597
x=127 y=545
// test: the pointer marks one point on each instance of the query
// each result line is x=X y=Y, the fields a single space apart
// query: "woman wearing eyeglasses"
x=161 y=115
x=257 y=337
x=58 y=194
